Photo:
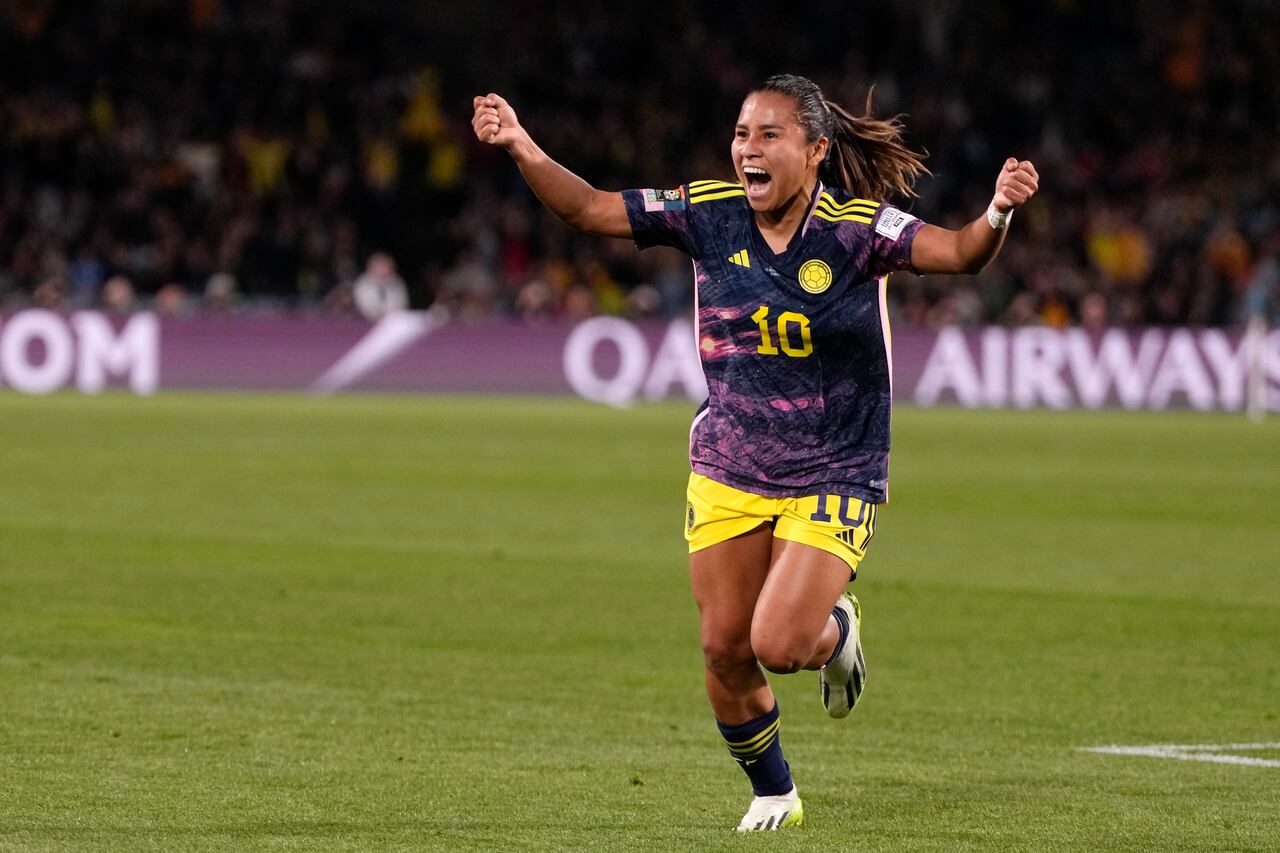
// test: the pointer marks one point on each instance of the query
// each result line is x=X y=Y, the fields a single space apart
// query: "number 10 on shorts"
x=823 y=516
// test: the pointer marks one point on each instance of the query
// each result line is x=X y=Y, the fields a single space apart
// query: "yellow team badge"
x=815 y=276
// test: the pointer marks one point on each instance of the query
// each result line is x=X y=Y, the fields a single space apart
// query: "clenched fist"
x=1018 y=182
x=494 y=121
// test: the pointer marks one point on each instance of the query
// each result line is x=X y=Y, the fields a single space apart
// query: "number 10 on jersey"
x=788 y=323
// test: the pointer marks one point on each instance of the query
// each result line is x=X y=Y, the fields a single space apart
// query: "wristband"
x=996 y=219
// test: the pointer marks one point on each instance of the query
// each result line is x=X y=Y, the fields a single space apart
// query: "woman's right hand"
x=580 y=205
x=494 y=121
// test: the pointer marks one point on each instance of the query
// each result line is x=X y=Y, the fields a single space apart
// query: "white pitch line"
x=1207 y=752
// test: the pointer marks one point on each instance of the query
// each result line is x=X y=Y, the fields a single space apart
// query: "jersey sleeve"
x=892 y=233
x=661 y=218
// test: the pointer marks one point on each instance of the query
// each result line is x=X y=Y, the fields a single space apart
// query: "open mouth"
x=757 y=180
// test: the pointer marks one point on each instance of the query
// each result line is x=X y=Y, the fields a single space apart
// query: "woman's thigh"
x=795 y=601
x=727 y=578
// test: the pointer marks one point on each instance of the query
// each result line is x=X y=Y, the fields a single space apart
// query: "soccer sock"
x=758 y=749
x=842 y=622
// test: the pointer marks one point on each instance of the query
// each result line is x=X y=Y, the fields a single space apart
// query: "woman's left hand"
x=1018 y=182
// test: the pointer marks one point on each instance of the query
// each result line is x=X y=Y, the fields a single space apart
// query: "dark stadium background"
x=209 y=156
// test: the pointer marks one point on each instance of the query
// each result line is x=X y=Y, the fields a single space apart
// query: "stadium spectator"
x=469 y=288
x=535 y=301
x=172 y=300
x=50 y=294
x=118 y=295
x=379 y=291
x=220 y=293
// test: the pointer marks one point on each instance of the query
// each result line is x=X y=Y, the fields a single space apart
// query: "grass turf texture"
x=266 y=622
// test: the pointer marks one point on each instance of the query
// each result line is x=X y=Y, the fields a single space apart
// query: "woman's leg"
x=792 y=627
x=727 y=579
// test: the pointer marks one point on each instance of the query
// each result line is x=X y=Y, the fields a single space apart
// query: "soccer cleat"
x=770 y=813
x=844 y=676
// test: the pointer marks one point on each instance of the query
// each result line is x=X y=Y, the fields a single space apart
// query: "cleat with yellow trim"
x=844 y=676
x=770 y=813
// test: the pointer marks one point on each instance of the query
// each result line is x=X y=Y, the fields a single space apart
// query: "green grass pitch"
x=233 y=622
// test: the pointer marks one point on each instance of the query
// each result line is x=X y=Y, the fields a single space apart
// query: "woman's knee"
x=726 y=653
x=779 y=651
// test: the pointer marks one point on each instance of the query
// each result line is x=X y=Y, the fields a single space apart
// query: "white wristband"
x=996 y=219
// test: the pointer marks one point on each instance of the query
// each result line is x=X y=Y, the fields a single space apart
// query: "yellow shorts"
x=839 y=525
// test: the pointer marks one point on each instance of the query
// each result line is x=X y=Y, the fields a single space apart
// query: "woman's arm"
x=969 y=250
x=578 y=204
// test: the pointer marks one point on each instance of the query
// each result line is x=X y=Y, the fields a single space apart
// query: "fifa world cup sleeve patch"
x=656 y=201
x=891 y=222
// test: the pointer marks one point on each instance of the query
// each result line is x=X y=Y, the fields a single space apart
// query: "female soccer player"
x=790 y=451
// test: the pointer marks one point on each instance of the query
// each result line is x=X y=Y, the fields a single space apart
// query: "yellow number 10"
x=784 y=337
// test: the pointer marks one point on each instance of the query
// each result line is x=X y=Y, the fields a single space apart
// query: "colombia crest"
x=814 y=276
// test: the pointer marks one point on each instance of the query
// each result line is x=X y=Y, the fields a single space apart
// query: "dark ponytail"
x=866 y=155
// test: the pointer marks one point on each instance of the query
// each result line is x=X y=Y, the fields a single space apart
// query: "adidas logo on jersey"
x=741 y=259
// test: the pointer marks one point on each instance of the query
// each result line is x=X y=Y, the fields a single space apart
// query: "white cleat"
x=843 y=678
x=770 y=813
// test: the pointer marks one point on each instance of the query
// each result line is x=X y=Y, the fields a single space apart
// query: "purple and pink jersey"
x=795 y=346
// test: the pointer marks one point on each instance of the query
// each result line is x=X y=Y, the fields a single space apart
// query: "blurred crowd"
x=212 y=156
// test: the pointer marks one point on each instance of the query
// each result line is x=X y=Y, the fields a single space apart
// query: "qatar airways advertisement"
x=613 y=361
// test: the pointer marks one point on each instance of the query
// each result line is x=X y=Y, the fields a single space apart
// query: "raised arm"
x=578 y=204
x=969 y=250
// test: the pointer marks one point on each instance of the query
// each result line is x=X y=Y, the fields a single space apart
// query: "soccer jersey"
x=795 y=346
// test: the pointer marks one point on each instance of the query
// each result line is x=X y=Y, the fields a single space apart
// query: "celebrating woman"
x=790 y=452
